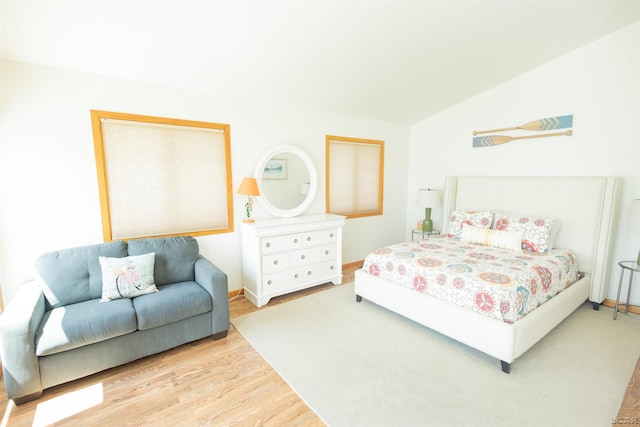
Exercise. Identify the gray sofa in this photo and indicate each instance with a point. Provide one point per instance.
(55, 329)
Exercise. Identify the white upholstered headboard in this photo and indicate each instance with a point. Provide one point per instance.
(585, 207)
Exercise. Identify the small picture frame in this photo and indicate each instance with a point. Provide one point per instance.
(275, 169)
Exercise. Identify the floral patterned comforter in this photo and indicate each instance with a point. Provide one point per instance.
(499, 283)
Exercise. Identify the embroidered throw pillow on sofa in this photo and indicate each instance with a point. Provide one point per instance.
(127, 277)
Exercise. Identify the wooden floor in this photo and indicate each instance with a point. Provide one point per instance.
(204, 383)
(629, 413)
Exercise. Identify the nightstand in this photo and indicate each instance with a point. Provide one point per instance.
(423, 234)
(632, 266)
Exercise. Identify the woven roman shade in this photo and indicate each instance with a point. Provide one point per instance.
(354, 177)
(164, 179)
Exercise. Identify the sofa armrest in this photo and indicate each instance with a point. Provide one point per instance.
(214, 281)
(18, 325)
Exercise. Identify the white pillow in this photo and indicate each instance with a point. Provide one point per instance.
(127, 277)
(552, 235)
(537, 230)
(496, 238)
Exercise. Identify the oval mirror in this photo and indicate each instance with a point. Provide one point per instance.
(287, 181)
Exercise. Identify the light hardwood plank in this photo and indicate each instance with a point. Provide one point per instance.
(629, 413)
(204, 383)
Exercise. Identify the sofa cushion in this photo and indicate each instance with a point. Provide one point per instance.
(73, 275)
(174, 302)
(83, 323)
(127, 277)
(175, 257)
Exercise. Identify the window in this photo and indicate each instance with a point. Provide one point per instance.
(162, 177)
(355, 169)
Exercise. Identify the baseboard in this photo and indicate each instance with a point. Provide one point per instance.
(611, 303)
(236, 293)
(353, 265)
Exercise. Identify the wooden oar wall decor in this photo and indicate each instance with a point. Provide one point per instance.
(551, 123)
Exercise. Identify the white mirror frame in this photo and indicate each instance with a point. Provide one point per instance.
(313, 181)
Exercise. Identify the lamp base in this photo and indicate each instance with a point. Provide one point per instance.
(248, 220)
(427, 224)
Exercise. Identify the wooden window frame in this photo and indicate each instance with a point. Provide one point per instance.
(103, 179)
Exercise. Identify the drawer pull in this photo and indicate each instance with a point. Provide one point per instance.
(331, 235)
(326, 252)
(275, 262)
(302, 257)
(331, 268)
(308, 273)
(296, 276)
(269, 282)
(308, 238)
(268, 245)
(295, 240)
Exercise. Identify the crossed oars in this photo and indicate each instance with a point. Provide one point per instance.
(560, 122)
(487, 141)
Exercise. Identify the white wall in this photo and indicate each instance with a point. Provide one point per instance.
(598, 84)
(48, 186)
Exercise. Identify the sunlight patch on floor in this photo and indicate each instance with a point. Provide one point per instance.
(69, 404)
(7, 413)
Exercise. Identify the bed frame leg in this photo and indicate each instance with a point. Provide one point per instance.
(506, 367)
(358, 298)
(596, 306)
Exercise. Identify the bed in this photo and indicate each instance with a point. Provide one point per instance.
(586, 209)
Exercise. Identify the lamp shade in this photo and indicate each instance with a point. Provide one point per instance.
(249, 186)
(428, 198)
(634, 213)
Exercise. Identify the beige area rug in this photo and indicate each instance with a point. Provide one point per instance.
(357, 364)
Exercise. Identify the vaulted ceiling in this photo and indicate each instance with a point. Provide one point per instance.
(398, 61)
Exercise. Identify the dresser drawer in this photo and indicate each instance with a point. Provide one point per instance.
(276, 262)
(309, 256)
(326, 269)
(284, 279)
(325, 253)
(317, 273)
(303, 257)
(291, 278)
(285, 242)
(319, 237)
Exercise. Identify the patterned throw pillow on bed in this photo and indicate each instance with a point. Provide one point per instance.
(536, 230)
(482, 219)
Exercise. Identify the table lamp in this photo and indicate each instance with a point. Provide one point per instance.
(428, 199)
(634, 218)
(249, 186)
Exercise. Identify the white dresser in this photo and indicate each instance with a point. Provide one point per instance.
(284, 255)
